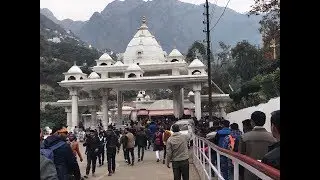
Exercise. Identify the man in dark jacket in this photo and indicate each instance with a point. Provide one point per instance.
(92, 144)
(141, 142)
(64, 159)
(272, 158)
(112, 145)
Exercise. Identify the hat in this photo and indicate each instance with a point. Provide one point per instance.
(63, 130)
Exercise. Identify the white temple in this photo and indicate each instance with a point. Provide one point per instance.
(145, 66)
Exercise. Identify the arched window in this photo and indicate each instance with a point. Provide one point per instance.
(103, 64)
(196, 72)
(174, 60)
(71, 78)
(132, 75)
(81, 78)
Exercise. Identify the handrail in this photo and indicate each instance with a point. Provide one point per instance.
(261, 170)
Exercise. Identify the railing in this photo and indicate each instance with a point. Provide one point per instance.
(207, 170)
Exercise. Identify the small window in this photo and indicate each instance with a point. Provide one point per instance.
(81, 78)
(132, 75)
(71, 78)
(174, 60)
(196, 72)
(103, 64)
(138, 64)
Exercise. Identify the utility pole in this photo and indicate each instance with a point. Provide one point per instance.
(207, 31)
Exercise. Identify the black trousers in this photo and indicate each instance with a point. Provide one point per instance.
(180, 168)
(91, 159)
(130, 151)
(111, 158)
(101, 156)
(164, 152)
(125, 153)
(141, 148)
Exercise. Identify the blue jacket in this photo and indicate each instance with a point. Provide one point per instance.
(221, 134)
(64, 159)
(153, 128)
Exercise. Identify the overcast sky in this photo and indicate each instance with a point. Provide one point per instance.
(83, 9)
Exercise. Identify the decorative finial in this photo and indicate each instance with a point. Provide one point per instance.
(74, 63)
(144, 20)
(175, 43)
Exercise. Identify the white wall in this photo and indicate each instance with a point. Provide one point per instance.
(267, 108)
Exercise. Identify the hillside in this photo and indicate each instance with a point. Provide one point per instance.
(59, 49)
(172, 22)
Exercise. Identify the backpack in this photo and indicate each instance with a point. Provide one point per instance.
(48, 152)
(233, 144)
(158, 138)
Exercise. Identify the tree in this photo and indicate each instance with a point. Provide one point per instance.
(196, 48)
(52, 116)
(248, 59)
(270, 23)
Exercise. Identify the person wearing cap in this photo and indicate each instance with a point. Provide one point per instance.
(64, 159)
(178, 153)
(92, 144)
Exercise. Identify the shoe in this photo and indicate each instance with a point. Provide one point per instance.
(100, 165)
(158, 160)
(139, 160)
(163, 161)
(126, 161)
(132, 164)
(93, 175)
(109, 174)
(86, 176)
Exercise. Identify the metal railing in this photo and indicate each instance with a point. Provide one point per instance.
(207, 170)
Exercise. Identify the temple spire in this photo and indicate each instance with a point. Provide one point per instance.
(144, 23)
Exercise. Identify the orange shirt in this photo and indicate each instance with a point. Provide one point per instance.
(75, 149)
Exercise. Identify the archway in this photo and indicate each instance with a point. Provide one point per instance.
(174, 60)
(196, 72)
(132, 75)
(103, 64)
(71, 78)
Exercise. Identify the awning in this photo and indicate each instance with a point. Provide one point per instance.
(142, 113)
(160, 112)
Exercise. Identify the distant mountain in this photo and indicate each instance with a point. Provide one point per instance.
(49, 14)
(171, 21)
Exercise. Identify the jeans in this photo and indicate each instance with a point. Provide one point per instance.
(91, 159)
(224, 165)
(111, 158)
(142, 153)
(101, 157)
(180, 168)
(131, 151)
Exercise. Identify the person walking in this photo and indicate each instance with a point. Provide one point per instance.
(47, 169)
(141, 142)
(75, 146)
(112, 147)
(101, 152)
(129, 140)
(63, 157)
(92, 144)
(272, 158)
(158, 143)
(123, 141)
(178, 153)
(165, 138)
(255, 143)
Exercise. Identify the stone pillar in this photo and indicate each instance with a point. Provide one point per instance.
(105, 119)
(69, 118)
(119, 105)
(181, 102)
(94, 121)
(175, 92)
(222, 109)
(197, 100)
(74, 111)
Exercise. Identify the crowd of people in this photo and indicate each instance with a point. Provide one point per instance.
(255, 141)
(59, 151)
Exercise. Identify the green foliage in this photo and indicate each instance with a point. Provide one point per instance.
(247, 60)
(196, 47)
(52, 116)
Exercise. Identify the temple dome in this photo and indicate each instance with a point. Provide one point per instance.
(75, 69)
(140, 95)
(94, 75)
(143, 48)
(175, 53)
(105, 56)
(196, 63)
(134, 67)
(118, 63)
(190, 93)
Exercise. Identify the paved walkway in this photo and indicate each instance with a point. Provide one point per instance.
(149, 169)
